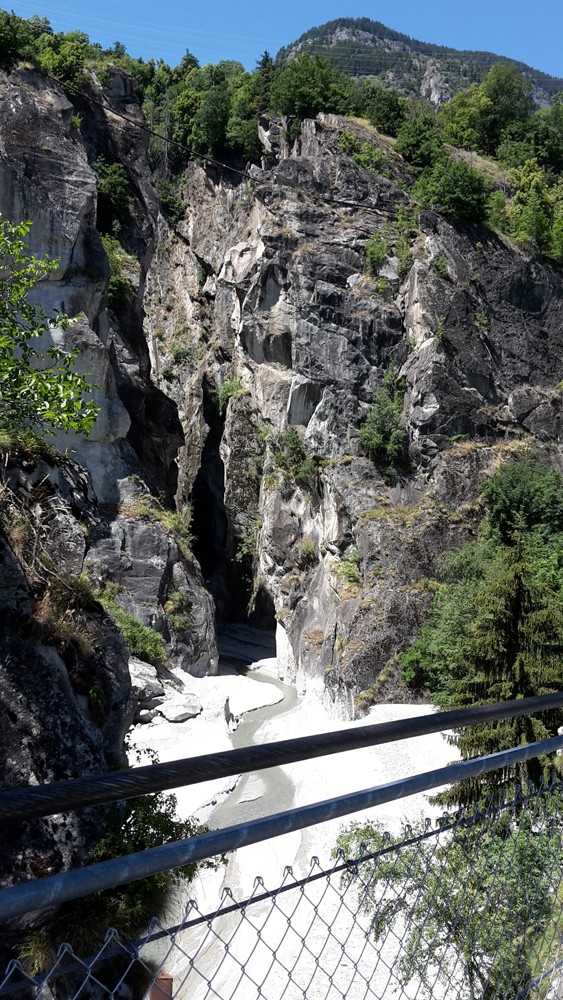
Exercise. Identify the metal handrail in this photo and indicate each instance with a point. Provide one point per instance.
(62, 796)
(56, 889)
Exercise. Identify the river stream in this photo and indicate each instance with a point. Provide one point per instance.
(277, 790)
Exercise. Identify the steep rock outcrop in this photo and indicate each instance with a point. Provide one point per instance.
(266, 280)
(67, 527)
(64, 680)
(137, 433)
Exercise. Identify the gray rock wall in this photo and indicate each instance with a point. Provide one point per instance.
(106, 516)
(253, 316)
(266, 287)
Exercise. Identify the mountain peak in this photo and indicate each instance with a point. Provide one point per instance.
(361, 47)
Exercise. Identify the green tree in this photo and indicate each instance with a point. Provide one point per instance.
(113, 194)
(556, 240)
(478, 117)
(497, 217)
(16, 37)
(386, 109)
(471, 907)
(250, 99)
(307, 85)
(242, 126)
(436, 660)
(496, 624)
(39, 390)
(182, 118)
(64, 56)
(510, 97)
(383, 440)
(419, 141)
(452, 187)
(464, 118)
(515, 146)
(514, 649)
(523, 496)
(530, 211)
(211, 117)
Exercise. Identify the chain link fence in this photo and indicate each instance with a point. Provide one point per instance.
(469, 907)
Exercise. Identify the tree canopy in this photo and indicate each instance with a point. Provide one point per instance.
(495, 630)
(454, 188)
(214, 110)
(475, 905)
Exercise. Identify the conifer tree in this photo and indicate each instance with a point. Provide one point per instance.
(496, 626)
(515, 650)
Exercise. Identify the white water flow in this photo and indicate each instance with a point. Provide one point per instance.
(270, 791)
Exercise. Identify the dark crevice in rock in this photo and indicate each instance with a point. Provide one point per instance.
(263, 614)
(209, 518)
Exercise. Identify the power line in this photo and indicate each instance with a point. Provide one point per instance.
(143, 126)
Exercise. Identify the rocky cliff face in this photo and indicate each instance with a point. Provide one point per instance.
(46, 174)
(252, 317)
(262, 291)
(100, 525)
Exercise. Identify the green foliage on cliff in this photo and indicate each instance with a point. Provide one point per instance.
(142, 823)
(172, 205)
(231, 389)
(120, 289)
(368, 156)
(305, 86)
(377, 251)
(215, 110)
(496, 624)
(419, 140)
(290, 456)
(386, 109)
(383, 440)
(454, 189)
(40, 389)
(143, 641)
(113, 195)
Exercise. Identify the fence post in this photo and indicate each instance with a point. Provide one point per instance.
(161, 989)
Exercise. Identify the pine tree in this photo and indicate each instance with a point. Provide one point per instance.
(514, 650)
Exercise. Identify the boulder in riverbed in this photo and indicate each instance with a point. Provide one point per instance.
(181, 708)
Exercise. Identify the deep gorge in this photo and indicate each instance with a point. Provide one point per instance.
(233, 375)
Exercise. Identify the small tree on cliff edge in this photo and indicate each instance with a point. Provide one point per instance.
(39, 390)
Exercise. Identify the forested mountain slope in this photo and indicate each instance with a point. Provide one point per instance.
(365, 48)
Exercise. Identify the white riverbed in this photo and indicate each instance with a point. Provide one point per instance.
(229, 801)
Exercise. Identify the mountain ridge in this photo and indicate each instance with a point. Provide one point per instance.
(362, 47)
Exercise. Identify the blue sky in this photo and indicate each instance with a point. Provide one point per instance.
(217, 29)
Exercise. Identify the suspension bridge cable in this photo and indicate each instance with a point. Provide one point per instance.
(143, 126)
